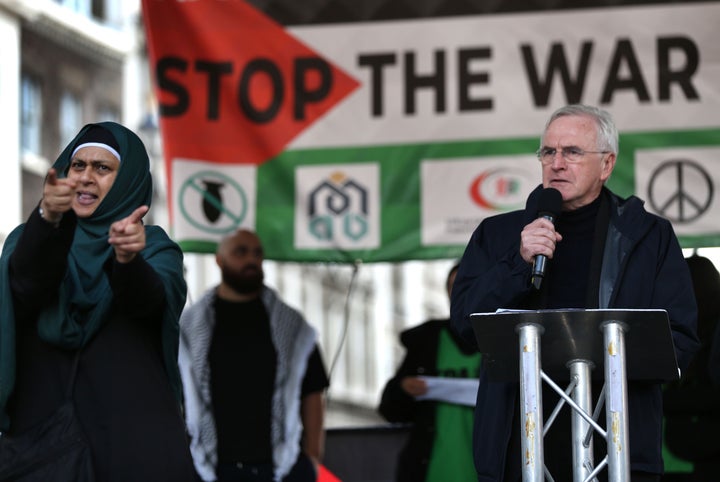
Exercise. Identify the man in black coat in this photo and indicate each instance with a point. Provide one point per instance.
(604, 252)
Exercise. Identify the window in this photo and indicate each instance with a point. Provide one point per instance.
(30, 115)
(107, 113)
(108, 12)
(70, 118)
(79, 6)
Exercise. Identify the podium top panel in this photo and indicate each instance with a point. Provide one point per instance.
(571, 334)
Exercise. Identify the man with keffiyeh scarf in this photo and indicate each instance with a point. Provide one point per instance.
(253, 376)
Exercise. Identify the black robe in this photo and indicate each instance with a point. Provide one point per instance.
(122, 393)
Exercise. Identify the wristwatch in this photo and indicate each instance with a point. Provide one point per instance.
(41, 212)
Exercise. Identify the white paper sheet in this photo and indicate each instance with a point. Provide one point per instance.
(460, 391)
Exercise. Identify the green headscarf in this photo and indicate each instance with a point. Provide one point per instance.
(84, 299)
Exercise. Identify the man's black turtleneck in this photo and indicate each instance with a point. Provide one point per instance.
(572, 256)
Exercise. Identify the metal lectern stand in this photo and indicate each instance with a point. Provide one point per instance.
(547, 345)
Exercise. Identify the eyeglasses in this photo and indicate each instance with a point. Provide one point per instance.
(570, 154)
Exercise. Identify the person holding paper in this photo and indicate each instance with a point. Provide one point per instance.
(602, 251)
(434, 389)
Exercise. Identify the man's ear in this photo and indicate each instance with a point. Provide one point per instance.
(608, 164)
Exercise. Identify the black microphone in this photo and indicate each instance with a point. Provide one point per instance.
(549, 205)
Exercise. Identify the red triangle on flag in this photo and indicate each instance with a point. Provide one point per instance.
(233, 85)
(324, 475)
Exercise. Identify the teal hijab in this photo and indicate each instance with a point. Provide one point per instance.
(84, 298)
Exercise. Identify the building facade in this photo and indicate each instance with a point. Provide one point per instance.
(67, 63)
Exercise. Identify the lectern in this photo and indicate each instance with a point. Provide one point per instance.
(553, 346)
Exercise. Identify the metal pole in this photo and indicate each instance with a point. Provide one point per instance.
(582, 450)
(531, 403)
(616, 403)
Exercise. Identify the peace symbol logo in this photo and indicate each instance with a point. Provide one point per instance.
(691, 193)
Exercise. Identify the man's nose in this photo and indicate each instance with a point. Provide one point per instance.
(558, 159)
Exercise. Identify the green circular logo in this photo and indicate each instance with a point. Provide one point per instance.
(208, 186)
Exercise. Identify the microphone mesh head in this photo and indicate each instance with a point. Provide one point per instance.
(550, 202)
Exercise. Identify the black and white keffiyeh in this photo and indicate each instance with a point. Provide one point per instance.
(294, 340)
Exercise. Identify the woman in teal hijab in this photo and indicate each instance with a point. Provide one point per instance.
(85, 273)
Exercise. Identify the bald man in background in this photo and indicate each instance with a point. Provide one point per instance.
(253, 376)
